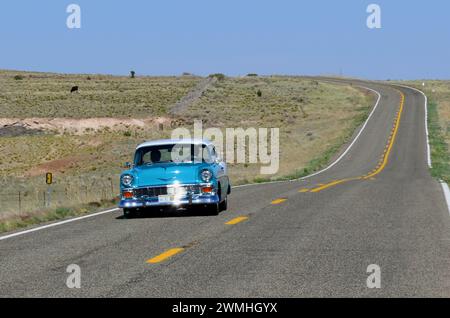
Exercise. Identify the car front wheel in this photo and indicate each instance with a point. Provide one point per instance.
(129, 213)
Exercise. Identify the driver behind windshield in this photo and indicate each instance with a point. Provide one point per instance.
(155, 156)
(167, 153)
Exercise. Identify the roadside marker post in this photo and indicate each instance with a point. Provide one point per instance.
(49, 181)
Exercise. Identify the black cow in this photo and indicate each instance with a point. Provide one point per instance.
(74, 89)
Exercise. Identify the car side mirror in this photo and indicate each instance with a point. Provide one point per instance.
(127, 165)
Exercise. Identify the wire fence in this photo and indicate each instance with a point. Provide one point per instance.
(54, 196)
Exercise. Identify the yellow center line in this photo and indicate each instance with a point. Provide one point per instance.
(165, 255)
(383, 161)
(303, 190)
(278, 201)
(237, 220)
(392, 140)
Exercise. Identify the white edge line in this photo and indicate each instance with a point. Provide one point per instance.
(426, 121)
(56, 224)
(338, 159)
(444, 185)
(239, 186)
(446, 194)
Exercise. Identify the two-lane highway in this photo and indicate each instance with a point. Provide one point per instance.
(314, 237)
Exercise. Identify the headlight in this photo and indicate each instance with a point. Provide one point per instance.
(126, 180)
(206, 175)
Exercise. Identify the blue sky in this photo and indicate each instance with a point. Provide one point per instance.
(234, 37)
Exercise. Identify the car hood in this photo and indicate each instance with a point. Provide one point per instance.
(163, 174)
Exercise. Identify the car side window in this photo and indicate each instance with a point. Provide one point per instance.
(146, 158)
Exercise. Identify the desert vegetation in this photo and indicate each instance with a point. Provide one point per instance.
(48, 95)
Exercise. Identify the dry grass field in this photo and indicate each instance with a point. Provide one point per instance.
(24, 95)
(84, 138)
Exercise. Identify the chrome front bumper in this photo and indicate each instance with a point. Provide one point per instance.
(133, 203)
(178, 200)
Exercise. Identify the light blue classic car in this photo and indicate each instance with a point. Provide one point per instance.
(180, 174)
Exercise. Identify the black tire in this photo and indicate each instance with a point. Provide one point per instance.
(224, 204)
(129, 213)
(213, 209)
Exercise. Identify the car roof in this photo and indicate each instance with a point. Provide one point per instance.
(185, 141)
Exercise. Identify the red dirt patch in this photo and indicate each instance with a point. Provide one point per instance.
(54, 166)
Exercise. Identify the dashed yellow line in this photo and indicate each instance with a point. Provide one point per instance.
(333, 183)
(173, 251)
(278, 201)
(384, 158)
(167, 254)
(237, 220)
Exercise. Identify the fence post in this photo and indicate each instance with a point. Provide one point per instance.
(49, 195)
(112, 188)
(20, 202)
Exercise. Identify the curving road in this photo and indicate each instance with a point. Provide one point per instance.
(306, 238)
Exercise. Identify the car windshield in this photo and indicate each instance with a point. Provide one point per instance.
(176, 153)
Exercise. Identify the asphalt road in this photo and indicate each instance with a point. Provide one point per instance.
(378, 209)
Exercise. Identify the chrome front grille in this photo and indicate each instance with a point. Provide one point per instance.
(150, 192)
(153, 192)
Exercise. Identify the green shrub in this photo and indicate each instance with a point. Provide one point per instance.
(219, 76)
(62, 212)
